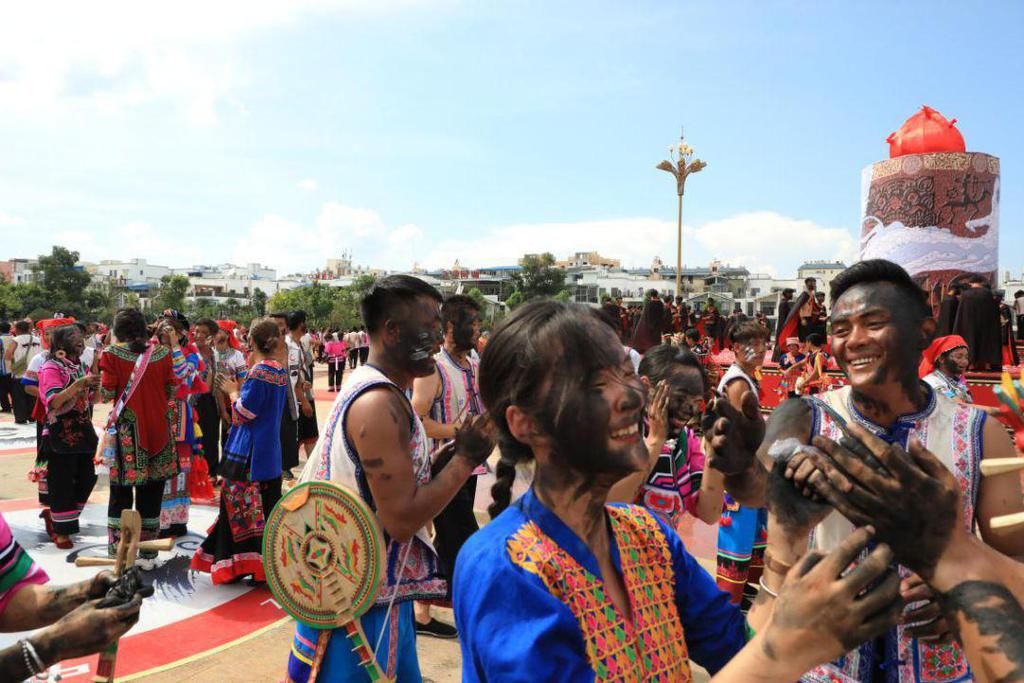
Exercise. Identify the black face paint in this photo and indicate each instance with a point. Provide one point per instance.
(416, 345)
(900, 345)
(949, 367)
(463, 332)
(578, 419)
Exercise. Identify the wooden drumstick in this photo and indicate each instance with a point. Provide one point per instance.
(1006, 522)
(1001, 466)
(95, 562)
(158, 544)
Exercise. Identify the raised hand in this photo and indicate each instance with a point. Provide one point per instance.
(824, 611)
(226, 385)
(910, 498)
(734, 435)
(657, 412)
(475, 439)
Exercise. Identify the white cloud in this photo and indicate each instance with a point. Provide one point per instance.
(764, 241)
(292, 247)
(10, 220)
(116, 55)
(308, 184)
(136, 239)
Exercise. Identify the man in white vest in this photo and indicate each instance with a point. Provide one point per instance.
(443, 400)
(881, 324)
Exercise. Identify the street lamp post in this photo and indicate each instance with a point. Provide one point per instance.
(682, 164)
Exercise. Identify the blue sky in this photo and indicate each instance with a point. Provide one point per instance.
(426, 131)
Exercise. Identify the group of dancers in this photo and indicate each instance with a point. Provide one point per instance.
(846, 548)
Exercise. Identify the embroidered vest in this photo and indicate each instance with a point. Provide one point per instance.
(652, 647)
(334, 458)
(460, 391)
(953, 433)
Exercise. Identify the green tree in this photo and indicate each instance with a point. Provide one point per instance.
(171, 293)
(476, 295)
(259, 302)
(539, 277)
(63, 283)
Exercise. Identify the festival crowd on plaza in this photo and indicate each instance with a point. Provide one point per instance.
(855, 527)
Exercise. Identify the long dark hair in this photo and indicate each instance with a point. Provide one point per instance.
(130, 328)
(543, 359)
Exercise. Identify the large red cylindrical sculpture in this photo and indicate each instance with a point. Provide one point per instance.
(932, 208)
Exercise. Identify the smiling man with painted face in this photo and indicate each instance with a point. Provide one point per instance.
(374, 443)
(881, 325)
(444, 400)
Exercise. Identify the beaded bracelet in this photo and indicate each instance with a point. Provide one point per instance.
(32, 661)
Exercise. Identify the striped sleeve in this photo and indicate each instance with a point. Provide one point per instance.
(251, 398)
(16, 567)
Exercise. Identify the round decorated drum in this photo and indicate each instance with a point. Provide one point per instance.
(323, 554)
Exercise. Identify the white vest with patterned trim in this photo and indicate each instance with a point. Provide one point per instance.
(953, 433)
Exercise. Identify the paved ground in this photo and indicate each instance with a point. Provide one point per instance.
(262, 657)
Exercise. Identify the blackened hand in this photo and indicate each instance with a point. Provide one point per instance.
(911, 499)
(734, 435)
(90, 628)
(824, 610)
(475, 439)
(100, 584)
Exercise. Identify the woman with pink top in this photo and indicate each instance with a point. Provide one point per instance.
(336, 351)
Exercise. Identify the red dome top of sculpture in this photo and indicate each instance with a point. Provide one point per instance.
(924, 132)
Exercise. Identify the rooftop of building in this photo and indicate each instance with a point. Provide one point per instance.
(829, 265)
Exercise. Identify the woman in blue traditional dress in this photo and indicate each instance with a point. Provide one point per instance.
(251, 466)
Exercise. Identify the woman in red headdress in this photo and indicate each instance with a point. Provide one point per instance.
(66, 392)
(943, 365)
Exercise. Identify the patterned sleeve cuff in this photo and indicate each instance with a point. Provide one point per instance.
(240, 414)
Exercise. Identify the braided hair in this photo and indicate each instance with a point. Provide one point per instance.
(543, 359)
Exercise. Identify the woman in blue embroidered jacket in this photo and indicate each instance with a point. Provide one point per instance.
(251, 464)
(561, 586)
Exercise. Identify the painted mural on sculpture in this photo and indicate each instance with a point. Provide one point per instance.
(935, 214)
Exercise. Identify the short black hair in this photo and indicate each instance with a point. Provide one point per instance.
(386, 294)
(280, 315)
(659, 361)
(1019, 292)
(811, 280)
(296, 318)
(815, 339)
(692, 333)
(456, 307)
(749, 331)
(880, 270)
(788, 293)
(209, 323)
(651, 293)
(22, 327)
(5, 327)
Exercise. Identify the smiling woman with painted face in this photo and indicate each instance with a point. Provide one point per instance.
(67, 389)
(677, 478)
